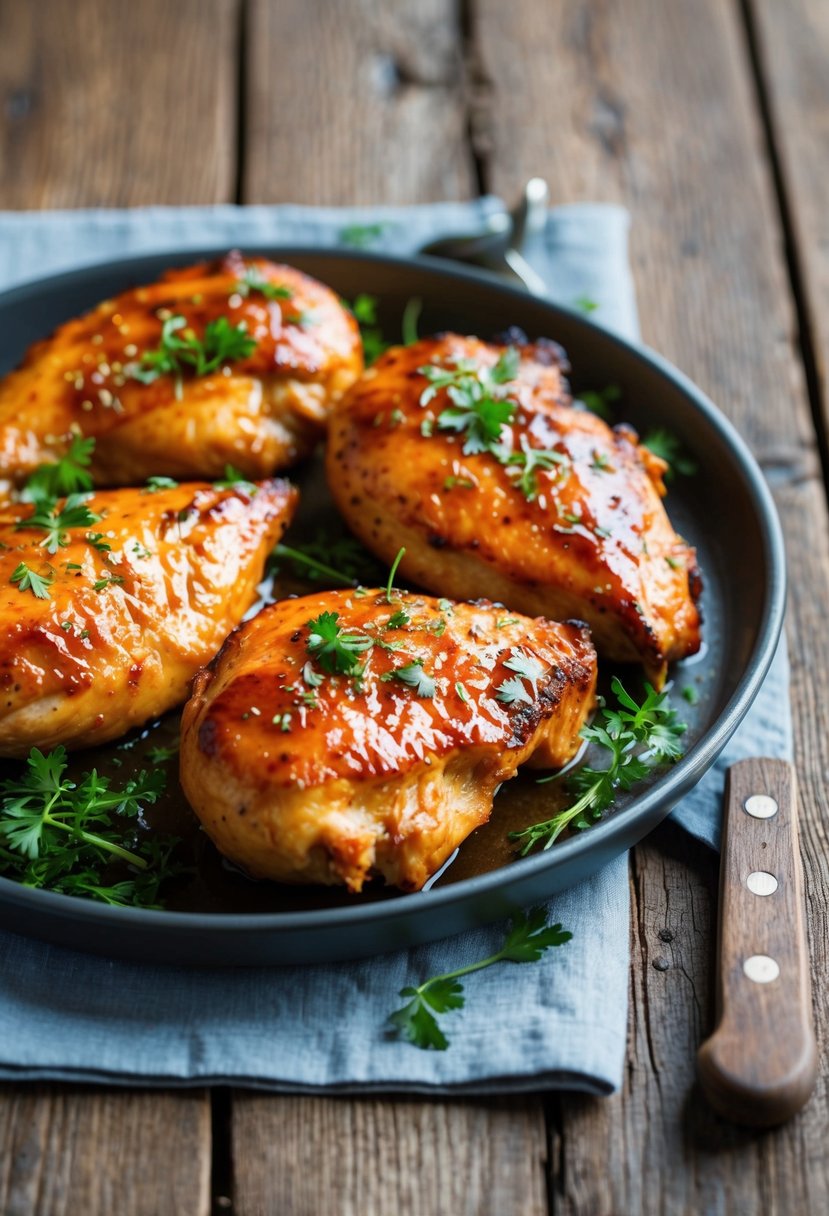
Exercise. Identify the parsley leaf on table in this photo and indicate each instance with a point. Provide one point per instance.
(652, 727)
(528, 939)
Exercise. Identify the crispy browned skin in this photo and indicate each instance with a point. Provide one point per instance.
(84, 666)
(258, 414)
(596, 543)
(372, 778)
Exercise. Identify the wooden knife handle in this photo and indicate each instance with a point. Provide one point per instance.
(760, 1065)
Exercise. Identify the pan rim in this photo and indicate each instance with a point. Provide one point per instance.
(605, 835)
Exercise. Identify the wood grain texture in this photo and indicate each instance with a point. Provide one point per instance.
(373, 1157)
(117, 103)
(360, 101)
(759, 1066)
(65, 1151)
(793, 47)
(653, 105)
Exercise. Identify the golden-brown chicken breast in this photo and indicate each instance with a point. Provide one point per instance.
(110, 605)
(497, 486)
(233, 363)
(340, 736)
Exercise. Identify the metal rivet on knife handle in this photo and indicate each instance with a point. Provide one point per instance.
(760, 1064)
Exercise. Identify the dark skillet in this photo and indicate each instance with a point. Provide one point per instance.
(725, 510)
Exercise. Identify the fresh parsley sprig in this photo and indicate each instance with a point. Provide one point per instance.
(666, 445)
(339, 560)
(481, 407)
(180, 350)
(638, 739)
(254, 282)
(56, 523)
(28, 579)
(59, 833)
(528, 939)
(337, 652)
(67, 475)
(515, 689)
(524, 467)
(413, 675)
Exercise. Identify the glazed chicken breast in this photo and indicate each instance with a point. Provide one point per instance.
(498, 486)
(342, 736)
(232, 363)
(104, 624)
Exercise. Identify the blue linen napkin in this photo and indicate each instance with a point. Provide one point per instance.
(557, 1023)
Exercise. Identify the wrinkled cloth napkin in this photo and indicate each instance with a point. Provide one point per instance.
(558, 1023)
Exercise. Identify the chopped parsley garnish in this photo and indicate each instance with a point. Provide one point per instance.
(65, 476)
(398, 620)
(28, 579)
(179, 349)
(638, 738)
(335, 651)
(525, 465)
(414, 676)
(234, 480)
(585, 304)
(98, 541)
(60, 833)
(253, 281)
(480, 407)
(56, 523)
(160, 755)
(111, 580)
(599, 401)
(364, 309)
(690, 694)
(662, 443)
(528, 939)
(159, 483)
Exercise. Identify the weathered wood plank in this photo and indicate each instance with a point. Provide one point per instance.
(652, 104)
(355, 102)
(67, 1150)
(117, 103)
(372, 1157)
(793, 48)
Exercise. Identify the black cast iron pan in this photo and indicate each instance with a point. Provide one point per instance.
(725, 510)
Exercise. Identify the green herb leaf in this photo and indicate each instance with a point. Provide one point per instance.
(414, 676)
(28, 579)
(527, 941)
(234, 480)
(599, 401)
(179, 350)
(638, 739)
(360, 236)
(159, 483)
(67, 475)
(663, 443)
(335, 651)
(254, 282)
(46, 517)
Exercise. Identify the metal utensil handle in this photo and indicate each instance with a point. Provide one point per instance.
(760, 1065)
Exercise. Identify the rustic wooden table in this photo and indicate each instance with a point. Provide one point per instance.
(708, 118)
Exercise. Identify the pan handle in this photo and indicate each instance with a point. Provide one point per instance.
(760, 1065)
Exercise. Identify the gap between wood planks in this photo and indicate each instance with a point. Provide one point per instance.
(794, 267)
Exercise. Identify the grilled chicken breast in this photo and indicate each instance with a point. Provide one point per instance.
(498, 486)
(302, 772)
(260, 402)
(108, 631)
